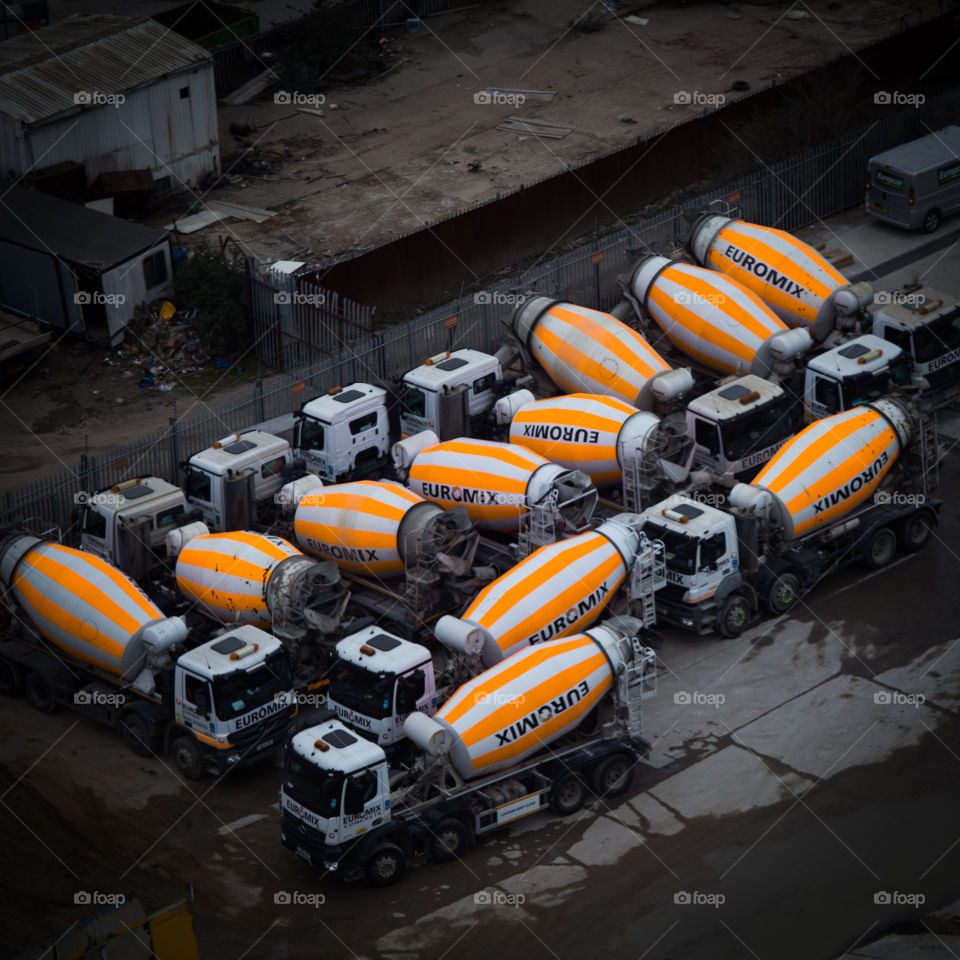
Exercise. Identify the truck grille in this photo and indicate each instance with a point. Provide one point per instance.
(943, 377)
(297, 834)
(274, 732)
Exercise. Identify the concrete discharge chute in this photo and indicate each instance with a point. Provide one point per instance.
(801, 287)
(713, 319)
(559, 589)
(588, 351)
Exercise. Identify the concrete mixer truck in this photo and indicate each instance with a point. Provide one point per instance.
(483, 758)
(560, 589)
(828, 498)
(79, 632)
(808, 292)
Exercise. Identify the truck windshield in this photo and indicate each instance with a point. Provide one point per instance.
(367, 693)
(242, 691)
(312, 434)
(680, 551)
(758, 428)
(318, 790)
(413, 401)
(940, 336)
(866, 387)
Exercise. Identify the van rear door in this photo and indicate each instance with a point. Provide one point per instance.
(888, 196)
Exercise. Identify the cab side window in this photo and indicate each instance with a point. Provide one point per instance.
(484, 383)
(195, 692)
(827, 394)
(198, 484)
(366, 422)
(711, 550)
(94, 523)
(707, 436)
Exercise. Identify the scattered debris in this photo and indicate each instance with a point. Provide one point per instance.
(626, 118)
(798, 15)
(546, 95)
(248, 821)
(538, 128)
(636, 21)
(251, 88)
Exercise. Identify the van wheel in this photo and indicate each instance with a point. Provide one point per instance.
(40, 693)
(568, 794)
(136, 734)
(915, 532)
(734, 616)
(187, 756)
(386, 865)
(881, 548)
(784, 593)
(931, 220)
(613, 775)
(450, 840)
(11, 679)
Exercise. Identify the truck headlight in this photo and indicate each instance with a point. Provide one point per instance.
(686, 622)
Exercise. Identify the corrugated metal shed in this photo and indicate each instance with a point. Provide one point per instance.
(42, 71)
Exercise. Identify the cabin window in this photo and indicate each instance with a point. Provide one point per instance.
(706, 435)
(198, 485)
(367, 422)
(484, 383)
(154, 269)
(272, 467)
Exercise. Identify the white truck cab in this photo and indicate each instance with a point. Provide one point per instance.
(229, 689)
(432, 394)
(337, 434)
(126, 524)
(228, 480)
(859, 371)
(378, 681)
(926, 325)
(738, 427)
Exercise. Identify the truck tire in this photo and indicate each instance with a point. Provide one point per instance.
(931, 220)
(136, 734)
(187, 756)
(11, 679)
(613, 775)
(915, 532)
(881, 548)
(568, 794)
(784, 593)
(449, 840)
(734, 616)
(39, 692)
(386, 865)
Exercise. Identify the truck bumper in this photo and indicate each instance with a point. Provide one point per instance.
(308, 844)
(697, 617)
(270, 741)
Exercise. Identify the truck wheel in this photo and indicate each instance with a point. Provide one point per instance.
(784, 593)
(931, 220)
(11, 679)
(568, 794)
(40, 693)
(187, 756)
(449, 841)
(136, 734)
(734, 616)
(881, 548)
(386, 865)
(613, 775)
(915, 532)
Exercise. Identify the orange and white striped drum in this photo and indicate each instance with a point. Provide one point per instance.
(84, 606)
(708, 316)
(578, 431)
(529, 700)
(584, 350)
(832, 466)
(356, 524)
(787, 274)
(489, 478)
(559, 589)
(227, 574)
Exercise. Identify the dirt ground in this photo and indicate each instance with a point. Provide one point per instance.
(414, 147)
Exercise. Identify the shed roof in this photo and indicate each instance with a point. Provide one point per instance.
(42, 71)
